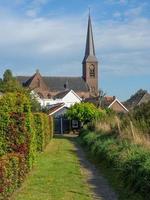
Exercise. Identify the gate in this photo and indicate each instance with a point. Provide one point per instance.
(61, 125)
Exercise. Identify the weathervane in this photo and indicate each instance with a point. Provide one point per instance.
(89, 10)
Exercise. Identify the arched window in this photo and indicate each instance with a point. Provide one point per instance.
(92, 71)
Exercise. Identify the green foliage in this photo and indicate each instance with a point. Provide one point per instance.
(9, 83)
(141, 116)
(43, 130)
(13, 169)
(130, 161)
(35, 105)
(20, 138)
(10, 104)
(84, 112)
(7, 76)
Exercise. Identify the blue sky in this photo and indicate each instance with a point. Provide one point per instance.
(50, 35)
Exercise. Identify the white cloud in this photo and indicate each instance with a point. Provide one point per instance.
(56, 46)
(134, 12)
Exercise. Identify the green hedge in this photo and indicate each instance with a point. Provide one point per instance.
(11, 103)
(130, 161)
(13, 169)
(22, 135)
(43, 130)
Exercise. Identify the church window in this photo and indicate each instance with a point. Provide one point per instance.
(38, 82)
(92, 71)
(49, 96)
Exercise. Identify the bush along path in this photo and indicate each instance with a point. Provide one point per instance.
(23, 135)
(61, 174)
(127, 163)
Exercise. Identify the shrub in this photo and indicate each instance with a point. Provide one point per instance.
(43, 130)
(22, 134)
(10, 103)
(13, 169)
(131, 161)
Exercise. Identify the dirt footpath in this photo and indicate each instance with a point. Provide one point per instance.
(98, 184)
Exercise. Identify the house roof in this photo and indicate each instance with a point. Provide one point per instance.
(55, 108)
(61, 95)
(141, 96)
(107, 100)
(116, 100)
(58, 83)
(145, 98)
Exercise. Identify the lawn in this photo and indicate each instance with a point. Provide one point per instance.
(56, 175)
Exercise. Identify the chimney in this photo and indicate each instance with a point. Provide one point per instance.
(114, 97)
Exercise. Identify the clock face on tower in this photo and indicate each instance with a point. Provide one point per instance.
(92, 71)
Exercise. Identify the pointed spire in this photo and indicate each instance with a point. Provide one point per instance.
(90, 49)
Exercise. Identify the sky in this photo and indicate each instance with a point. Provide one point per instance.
(50, 35)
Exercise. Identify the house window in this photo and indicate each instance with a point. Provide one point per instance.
(92, 71)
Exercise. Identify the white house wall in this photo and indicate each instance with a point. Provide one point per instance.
(70, 99)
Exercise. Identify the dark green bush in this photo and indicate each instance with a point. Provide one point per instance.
(130, 161)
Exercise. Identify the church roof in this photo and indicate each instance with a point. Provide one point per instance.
(58, 83)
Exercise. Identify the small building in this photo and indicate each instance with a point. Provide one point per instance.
(68, 97)
(61, 103)
(113, 103)
(108, 102)
(140, 97)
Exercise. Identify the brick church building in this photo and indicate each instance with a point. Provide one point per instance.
(85, 86)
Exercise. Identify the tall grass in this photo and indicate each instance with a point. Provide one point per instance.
(130, 161)
(122, 145)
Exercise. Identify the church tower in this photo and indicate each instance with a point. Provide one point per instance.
(90, 63)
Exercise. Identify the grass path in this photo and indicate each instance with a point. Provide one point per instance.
(56, 176)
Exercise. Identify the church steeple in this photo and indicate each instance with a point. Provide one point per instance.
(90, 63)
(90, 49)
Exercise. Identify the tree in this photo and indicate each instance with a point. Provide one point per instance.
(101, 95)
(9, 83)
(84, 112)
(7, 76)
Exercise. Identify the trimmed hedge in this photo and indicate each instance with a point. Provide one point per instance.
(9, 104)
(43, 130)
(22, 135)
(130, 161)
(13, 169)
